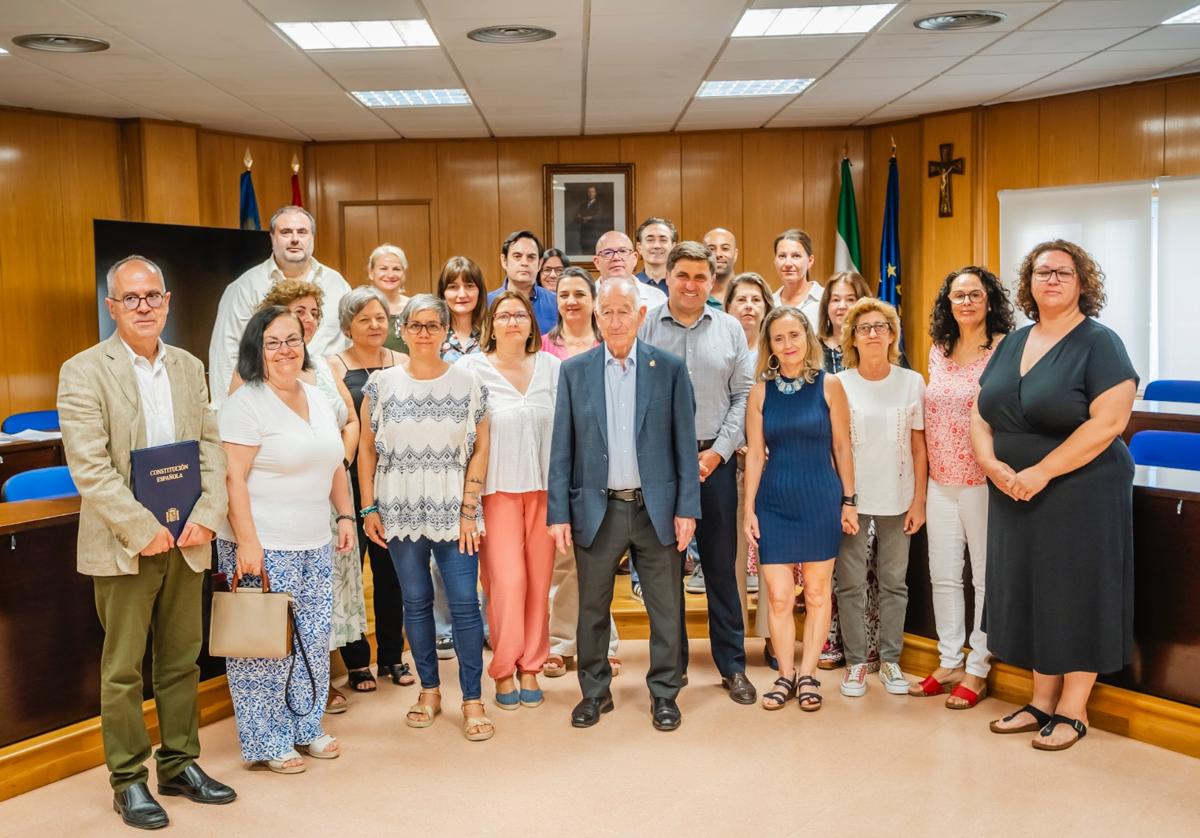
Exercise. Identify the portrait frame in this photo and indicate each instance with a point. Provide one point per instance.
(574, 220)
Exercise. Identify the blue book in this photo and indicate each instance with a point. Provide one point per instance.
(166, 480)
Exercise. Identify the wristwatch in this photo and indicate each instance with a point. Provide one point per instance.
(850, 500)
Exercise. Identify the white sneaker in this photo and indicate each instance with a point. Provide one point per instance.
(854, 683)
(752, 583)
(695, 582)
(893, 679)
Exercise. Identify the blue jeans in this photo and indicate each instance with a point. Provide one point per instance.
(441, 609)
(460, 573)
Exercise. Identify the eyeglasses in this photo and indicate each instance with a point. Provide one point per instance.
(1063, 274)
(864, 329)
(614, 252)
(518, 317)
(133, 302)
(272, 345)
(423, 328)
(553, 271)
(968, 297)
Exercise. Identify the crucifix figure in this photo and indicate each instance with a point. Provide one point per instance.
(945, 166)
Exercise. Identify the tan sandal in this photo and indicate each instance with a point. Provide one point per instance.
(615, 663)
(477, 722)
(323, 747)
(555, 667)
(426, 711)
(280, 764)
(336, 703)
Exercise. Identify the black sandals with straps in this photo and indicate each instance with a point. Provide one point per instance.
(775, 699)
(1079, 727)
(809, 700)
(1041, 719)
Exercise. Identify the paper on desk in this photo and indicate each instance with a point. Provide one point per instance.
(30, 435)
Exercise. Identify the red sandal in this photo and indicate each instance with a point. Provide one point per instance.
(968, 695)
(931, 686)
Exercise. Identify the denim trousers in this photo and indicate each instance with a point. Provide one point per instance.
(460, 573)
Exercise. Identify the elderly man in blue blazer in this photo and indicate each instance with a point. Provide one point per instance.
(623, 472)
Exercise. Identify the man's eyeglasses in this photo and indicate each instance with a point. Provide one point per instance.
(614, 252)
(968, 297)
(272, 345)
(133, 302)
(864, 329)
(1063, 274)
(518, 317)
(415, 329)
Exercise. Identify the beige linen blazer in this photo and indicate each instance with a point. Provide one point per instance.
(100, 413)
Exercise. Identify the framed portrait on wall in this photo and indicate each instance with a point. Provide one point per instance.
(583, 202)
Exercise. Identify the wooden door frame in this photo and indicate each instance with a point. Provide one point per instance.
(407, 202)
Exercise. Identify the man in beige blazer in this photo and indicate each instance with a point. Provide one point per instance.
(132, 391)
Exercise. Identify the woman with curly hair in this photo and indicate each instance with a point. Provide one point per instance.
(1046, 430)
(971, 315)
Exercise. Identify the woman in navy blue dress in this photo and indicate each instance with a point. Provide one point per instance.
(798, 504)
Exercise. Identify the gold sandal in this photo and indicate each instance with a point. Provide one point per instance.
(477, 722)
(428, 711)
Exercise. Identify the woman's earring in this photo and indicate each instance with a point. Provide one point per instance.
(773, 363)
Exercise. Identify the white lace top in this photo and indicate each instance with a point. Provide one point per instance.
(424, 436)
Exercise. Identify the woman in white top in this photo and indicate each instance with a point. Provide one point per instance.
(887, 424)
(517, 557)
(422, 458)
(284, 453)
(794, 259)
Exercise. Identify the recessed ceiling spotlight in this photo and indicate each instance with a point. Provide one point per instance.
(752, 87)
(61, 43)
(955, 21)
(412, 98)
(511, 34)
(1191, 15)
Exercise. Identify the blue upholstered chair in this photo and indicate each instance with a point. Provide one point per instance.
(35, 420)
(39, 484)
(1173, 390)
(1166, 449)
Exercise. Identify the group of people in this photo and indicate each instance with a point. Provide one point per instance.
(525, 441)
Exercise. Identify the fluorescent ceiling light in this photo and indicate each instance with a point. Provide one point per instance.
(359, 34)
(1191, 15)
(811, 20)
(753, 87)
(412, 98)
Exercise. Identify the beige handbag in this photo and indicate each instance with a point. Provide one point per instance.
(250, 622)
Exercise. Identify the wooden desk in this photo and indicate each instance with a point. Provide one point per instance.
(16, 457)
(50, 637)
(1162, 416)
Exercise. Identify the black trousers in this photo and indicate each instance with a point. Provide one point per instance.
(716, 538)
(387, 598)
(626, 524)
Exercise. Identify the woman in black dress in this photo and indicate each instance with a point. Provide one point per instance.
(1053, 402)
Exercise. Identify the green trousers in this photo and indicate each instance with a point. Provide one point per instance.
(162, 600)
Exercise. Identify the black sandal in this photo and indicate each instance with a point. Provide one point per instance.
(359, 677)
(778, 698)
(809, 701)
(1079, 727)
(1041, 719)
(398, 672)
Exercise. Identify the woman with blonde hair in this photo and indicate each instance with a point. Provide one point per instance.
(801, 501)
(387, 270)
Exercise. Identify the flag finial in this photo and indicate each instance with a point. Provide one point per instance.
(892, 137)
(295, 164)
(845, 149)
(248, 159)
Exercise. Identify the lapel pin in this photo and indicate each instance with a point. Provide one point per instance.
(651, 362)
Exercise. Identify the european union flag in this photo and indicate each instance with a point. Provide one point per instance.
(248, 205)
(889, 247)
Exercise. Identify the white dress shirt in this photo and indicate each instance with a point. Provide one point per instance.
(244, 295)
(154, 393)
(810, 306)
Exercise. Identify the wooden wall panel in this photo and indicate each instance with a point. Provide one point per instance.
(220, 172)
(656, 176)
(521, 183)
(406, 171)
(170, 173)
(773, 190)
(589, 150)
(1009, 161)
(410, 224)
(823, 150)
(469, 204)
(360, 235)
(1069, 128)
(1131, 123)
(1182, 125)
(340, 172)
(711, 184)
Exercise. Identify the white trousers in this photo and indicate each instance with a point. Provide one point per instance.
(956, 516)
(564, 608)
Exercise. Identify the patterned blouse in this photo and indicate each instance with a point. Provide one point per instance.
(948, 401)
(453, 348)
(424, 437)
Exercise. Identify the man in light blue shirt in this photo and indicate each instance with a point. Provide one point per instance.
(519, 258)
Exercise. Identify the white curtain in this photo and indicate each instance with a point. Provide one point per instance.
(1112, 222)
(1178, 276)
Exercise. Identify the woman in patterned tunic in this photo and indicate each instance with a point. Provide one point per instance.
(422, 461)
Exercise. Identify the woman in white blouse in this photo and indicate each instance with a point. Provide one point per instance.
(284, 453)
(887, 424)
(422, 458)
(517, 558)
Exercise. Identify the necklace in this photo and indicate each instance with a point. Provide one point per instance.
(786, 385)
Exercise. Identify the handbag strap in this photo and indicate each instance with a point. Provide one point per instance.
(237, 576)
(312, 681)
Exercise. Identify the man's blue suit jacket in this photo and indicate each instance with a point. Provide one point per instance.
(665, 424)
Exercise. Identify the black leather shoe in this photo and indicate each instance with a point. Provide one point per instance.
(588, 711)
(139, 809)
(194, 784)
(740, 688)
(665, 714)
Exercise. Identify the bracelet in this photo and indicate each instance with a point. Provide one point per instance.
(470, 518)
(364, 512)
(349, 518)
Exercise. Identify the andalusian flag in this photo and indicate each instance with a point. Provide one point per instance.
(848, 256)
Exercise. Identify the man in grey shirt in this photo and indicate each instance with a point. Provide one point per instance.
(713, 346)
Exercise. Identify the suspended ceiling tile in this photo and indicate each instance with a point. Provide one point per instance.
(999, 65)
(1027, 43)
(1098, 14)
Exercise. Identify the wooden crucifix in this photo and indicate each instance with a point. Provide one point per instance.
(945, 166)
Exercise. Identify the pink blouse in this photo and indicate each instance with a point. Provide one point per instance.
(948, 401)
(559, 350)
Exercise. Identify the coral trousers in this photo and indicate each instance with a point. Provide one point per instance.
(516, 563)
